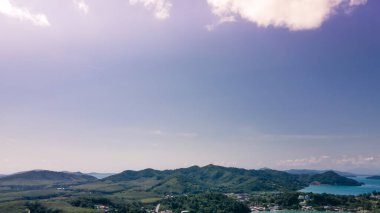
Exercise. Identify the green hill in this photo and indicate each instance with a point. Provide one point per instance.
(43, 179)
(313, 172)
(332, 178)
(376, 177)
(208, 202)
(190, 180)
(219, 179)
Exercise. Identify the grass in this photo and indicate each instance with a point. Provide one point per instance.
(150, 200)
(31, 194)
(136, 196)
(66, 207)
(12, 207)
(100, 187)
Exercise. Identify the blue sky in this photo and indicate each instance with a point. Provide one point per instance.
(108, 86)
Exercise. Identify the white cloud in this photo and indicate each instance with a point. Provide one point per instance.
(8, 9)
(222, 20)
(334, 162)
(304, 162)
(291, 14)
(357, 2)
(161, 8)
(358, 161)
(82, 6)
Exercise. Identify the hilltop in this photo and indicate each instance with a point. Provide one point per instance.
(220, 179)
(332, 178)
(43, 178)
(314, 172)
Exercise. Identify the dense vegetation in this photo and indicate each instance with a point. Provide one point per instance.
(90, 202)
(313, 172)
(205, 203)
(180, 181)
(48, 175)
(112, 205)
(36, 207)
(290, 200)
(39, 179)
(221, 179)
(332, 178)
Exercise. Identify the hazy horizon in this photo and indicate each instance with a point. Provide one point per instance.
(108, 86)
(355, 172)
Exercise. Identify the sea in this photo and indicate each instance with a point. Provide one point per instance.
(303, 212)
(368, 187)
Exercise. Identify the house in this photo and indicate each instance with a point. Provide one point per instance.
(258, 208)
(102, 208)
(307, 208)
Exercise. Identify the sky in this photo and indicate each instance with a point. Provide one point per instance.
(106, 86)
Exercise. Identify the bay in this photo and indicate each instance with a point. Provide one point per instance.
(301, 211)
(368, 187)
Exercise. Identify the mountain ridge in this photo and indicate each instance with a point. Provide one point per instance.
(221, 179)
(193, 179)
(312, 171)
(43, 179)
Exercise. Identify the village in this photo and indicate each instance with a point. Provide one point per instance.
(259, 203)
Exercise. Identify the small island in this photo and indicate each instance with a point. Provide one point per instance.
(376, 177)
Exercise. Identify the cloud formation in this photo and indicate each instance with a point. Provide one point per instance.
(82, 6)
(357, 2)
(8, 9)
(305, 162)
(326, 161)
(161, 8)
(291, 14)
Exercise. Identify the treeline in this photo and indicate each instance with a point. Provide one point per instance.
(112, 206)
(36, 207)
(204, 203)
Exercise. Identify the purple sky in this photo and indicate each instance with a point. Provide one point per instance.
(113, 85)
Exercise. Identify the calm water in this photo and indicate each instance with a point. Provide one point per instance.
(300, 212)
(369, 186)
